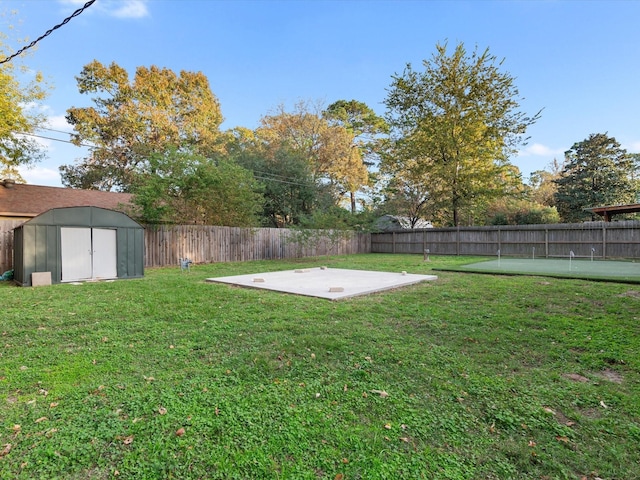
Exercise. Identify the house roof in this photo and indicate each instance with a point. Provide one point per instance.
(22, 200)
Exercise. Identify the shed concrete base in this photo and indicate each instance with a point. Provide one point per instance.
(322, 282)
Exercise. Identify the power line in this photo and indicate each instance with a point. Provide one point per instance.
(48, 32)
(55, 139)
(54, 130)
(266, 176)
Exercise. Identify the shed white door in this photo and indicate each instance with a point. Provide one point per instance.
(75, 246)
(88, 253)
(104, 253)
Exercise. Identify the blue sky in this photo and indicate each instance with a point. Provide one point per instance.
(577, 60)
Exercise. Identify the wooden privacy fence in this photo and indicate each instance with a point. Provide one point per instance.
(164, 245)
(6, 243)
(600, 239)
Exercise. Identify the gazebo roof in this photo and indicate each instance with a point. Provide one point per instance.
(608, 211)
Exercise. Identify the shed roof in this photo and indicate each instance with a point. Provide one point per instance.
(27, 201)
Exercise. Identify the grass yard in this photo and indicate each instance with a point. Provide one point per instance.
(472, 376)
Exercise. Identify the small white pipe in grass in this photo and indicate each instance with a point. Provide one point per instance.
(533, 254)
(593, 250)
(498, 258)
(571, 255)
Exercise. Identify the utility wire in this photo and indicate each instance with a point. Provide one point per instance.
(55, 139)
(48, 32)
(265, 176)
(54, 130)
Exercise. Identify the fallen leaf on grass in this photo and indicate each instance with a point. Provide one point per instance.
(16, 428)
(162, 411)
(387, 426)
(180, 432)
(382, 393)
(562, 438)
(128, 440)
(603, 405)
(339, 476)
(5, 450)
(532, 443)
(41, 419)
(53, 404)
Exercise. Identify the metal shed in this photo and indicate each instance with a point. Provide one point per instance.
(77, 244)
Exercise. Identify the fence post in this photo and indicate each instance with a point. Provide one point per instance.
(604, 240)
(546, 243)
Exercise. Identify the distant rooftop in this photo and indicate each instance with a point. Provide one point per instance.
(18, 200)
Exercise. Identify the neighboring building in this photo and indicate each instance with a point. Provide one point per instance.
(22, 202)
(390, 223)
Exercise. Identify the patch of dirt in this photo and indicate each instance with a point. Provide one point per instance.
(630, 293)
(575, 377)
(590, 412)
(610, 375)
(563, 419)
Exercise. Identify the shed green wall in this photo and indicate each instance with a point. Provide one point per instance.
(37, 245)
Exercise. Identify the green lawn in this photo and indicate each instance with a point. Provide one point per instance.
(472, 376)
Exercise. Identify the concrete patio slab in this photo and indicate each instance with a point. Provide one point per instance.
(322, 282)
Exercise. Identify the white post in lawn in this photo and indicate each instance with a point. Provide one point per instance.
(571, 255)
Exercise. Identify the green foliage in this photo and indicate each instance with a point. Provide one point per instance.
(97, 380)
(132, 120)
(17, 115)
(520, 212)
(289, 189)
(330, 227)
(597, 172)
(185, 188)
(455, 124)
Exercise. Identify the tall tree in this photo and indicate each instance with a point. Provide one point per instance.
(18, 120)
(133, 120)
(460, 120)
(597, 172)
(327, 148)
(366, 129)
(542, 186)
(289, 190)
